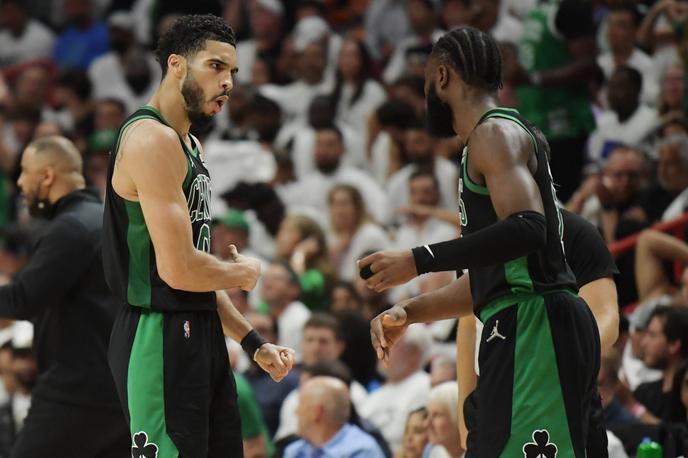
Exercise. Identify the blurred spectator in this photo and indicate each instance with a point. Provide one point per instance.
(409, 89)
(672, 179)
(313, 190)
(280, 290)
(608, 384)
(352, 233)
(230, 229)
(654, 250)
(269, 393)
(490, 16)
(84, 39)
(356, 93)
(267, 20)
(422, 17)
(555, 67)
(443, 423)
(128, 72)
(31, 88)
(22, 38)
(391, 119)
(323, 423)
(302, 137)
(346, 298)
(406, 387)
(420, 226)
(679, 394)
(358, 354)
(386, 24)
(301, 242)
(419, 149)
(257, 443)
(665, 345)
(673, 89)
(628, 122)
(622, 28)
(21, 367)
(73, 92)
(603, 197)
(322, 343)
(415, 434)
(295, 98)
(442, 369)
(633, 370)
(234, 124)
(109, 114)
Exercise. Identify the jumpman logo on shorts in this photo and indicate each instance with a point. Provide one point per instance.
(495, 333)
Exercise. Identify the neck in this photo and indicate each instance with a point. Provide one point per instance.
(625, 115)
(323, 434)
(668, 380)
(418, 220)
(467, 114)
(68, 186)
(168, 100)
(453, 446)
(622, 55)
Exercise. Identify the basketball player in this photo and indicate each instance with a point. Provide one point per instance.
(538, 381)
(167, 350)
(593, 267)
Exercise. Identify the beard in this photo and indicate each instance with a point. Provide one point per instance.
(194, 100)
(439, 116)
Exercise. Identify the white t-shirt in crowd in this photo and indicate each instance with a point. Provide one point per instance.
(447, 175)
(389, 406)
(36, 42)
(295, 98)
(290, 327)
(396, 67)
(641, 62)
(368, 237)
(356, 115)
(610, 131)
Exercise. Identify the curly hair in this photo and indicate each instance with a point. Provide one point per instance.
(188, 35)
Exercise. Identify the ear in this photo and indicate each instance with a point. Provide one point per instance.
(443, 76)
(50, 174)
(675, 348)
(176, 64)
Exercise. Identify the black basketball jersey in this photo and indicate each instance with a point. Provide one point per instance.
(540, 271)
(128, 254)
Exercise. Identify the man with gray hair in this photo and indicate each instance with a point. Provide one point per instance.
(323, 414)
(406, 386)
(62, 290)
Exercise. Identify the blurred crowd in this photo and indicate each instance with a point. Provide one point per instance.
(323, 157)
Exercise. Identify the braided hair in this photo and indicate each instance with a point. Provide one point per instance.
(474, 55)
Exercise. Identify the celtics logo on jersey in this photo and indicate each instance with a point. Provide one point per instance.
(199, 210)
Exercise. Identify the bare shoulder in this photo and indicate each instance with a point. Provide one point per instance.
(500, 142)
(149, 152)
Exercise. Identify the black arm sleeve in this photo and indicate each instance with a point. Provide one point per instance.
(516, 236)
(59, 260)
(586, 252)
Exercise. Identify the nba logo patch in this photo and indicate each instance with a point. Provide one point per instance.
(187, 329)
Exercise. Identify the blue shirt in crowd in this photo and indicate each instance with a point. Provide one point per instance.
(349, 442)
(77, 48)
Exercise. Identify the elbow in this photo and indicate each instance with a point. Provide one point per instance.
(174, 277)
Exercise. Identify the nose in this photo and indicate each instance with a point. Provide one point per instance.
(228, 83)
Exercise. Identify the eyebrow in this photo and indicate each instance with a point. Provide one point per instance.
(217, 60)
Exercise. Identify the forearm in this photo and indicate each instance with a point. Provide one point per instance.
(570, 75)
(14, 303)
(234, 325)
(465, 368)
(518, 235)
(450, 301)
(646, 30)
(204, 273)
(601, 297)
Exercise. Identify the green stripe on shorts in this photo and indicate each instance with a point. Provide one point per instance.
(146, 388)
(538, 413)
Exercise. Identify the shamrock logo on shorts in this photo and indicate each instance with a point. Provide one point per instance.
(141, 447)
(541, 447)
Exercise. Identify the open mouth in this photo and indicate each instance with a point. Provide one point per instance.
(219, 103)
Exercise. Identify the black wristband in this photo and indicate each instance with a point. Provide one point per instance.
(423, 259)
(252, 342)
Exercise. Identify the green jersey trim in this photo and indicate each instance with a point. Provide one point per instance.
(474, 187)
(139, 244)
